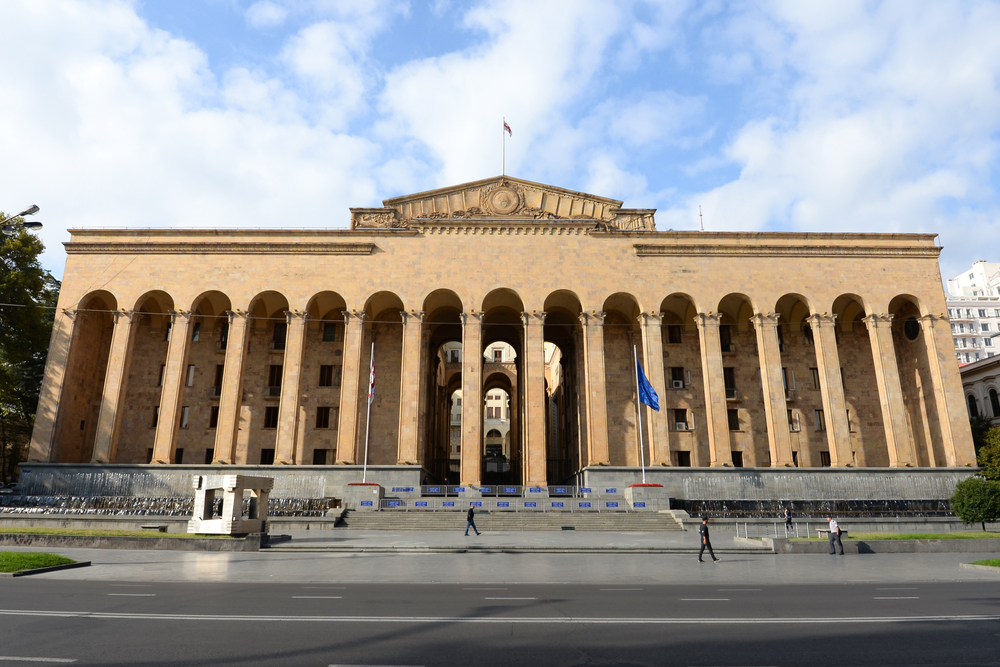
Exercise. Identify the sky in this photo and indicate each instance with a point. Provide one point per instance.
(773, 116)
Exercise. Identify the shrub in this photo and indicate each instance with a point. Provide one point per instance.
(988, 456)
(977, 500)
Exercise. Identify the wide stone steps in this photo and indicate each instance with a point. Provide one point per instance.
(508, 521)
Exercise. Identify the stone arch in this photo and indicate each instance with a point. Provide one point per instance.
(743, 389)
(621, 332)
(503, 297)
(684, 387)
(211, 310)
(793, 309)
(321, 378)
(504, 469)
(86, 369)
(916, 380)
(737, 309)
(565, 393)
(441, 378)
(899, 302)
(384, 327)
(850, 311)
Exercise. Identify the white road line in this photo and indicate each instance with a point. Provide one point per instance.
(742, 590)
(10, 658)
(134, 595)
(131, 585)
(317, 597)
(510, 598)
(376, 665)
(496, 620)
(484, 589)
(899, 598)
(704, 599)
(896, 589)
(620, 589)
(323, 588)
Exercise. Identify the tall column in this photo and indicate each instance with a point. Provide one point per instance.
(775, 407)
(831, 385)
(580, 393)
(232, 387)
(652, 353)
(347, 431)
(109, 420)
(716, 419)
(409, 407)
(472, 398)
(291, 388)
(948, 394)
(897, 432)
(535, 458)
(168, 421)
(597, 398)
(43, 435)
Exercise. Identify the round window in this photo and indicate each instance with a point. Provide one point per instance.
(911, 328)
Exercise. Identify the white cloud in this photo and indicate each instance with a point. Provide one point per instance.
(265, 14)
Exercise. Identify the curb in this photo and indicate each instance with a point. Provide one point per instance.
(512, 550)
(984, 568)
(245, 544)
(43, 570)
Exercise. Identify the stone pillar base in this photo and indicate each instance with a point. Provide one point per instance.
(647, 498)
(363, 497)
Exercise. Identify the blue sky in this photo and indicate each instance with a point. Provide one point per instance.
(839, 116)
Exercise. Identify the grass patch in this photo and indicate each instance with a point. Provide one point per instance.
(962, 535)
(88, 532)
(992, 562)
(11, 561)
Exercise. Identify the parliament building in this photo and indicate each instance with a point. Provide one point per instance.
(253, 347)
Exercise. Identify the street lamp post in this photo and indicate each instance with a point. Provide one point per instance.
(26, 224)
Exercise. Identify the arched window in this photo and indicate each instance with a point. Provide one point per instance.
(973, 410)
(995, 403)
(493, 433)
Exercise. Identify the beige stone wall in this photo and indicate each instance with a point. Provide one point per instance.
(142, 389)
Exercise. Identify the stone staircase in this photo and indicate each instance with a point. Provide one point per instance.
(508, 521)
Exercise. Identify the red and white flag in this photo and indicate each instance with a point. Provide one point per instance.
(506, 128)
(371, 383)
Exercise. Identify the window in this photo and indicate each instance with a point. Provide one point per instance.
(995, 402)
(170, 326)
(850, 424)
(911, 328)
(219, 370)
(988, 342)
(982, 312)
(734, 419)
(271, 417)
(737, 459)
(280, 329)
(497, 356)
(824, 459)
(185, 415)
(458, 401)
(676, 377)
(680, 419)
(793, 422)
(329, 336)
(973, 409)
(189, 379)
(179, 455)
(163, 374)
(726, 338)
(267, 456)
(807, 331)
(820, 420)
(323, 417)
(454, 358)
(961, 328)
(326, 376)
(729, 379)
(196, 332)
(795, 459)
(213, 417)
(683, 459)
(209, 455)
(274, 375)
(814, 378)
(156, 417)
(985, 326)
(972, 276)
(224, 337)
(781, 338)
(674, 334)
(319, 457)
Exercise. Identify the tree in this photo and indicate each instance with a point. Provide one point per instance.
(28, 295)
(977, 500)
(980, 427)
(988, 456)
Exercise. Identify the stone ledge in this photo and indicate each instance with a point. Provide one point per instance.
(43, 570)
(784, 546)
(984, 568)
(249, 543)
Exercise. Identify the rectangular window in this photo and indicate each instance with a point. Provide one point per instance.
(986, 326)
(454, 356)
(726, 338)
(189, 379)
(674, 334)
(814, 377)
(219, 370)
(319, 457)
(271, 417)
(734, 419)
(329, 332)
(179, 455)
(824, 459)
(213, 417)
(185, 415)
(737, 459)
(267, 456)
(676, 377)
(961, 328)
(170, 327)
(163, 375)
(458, 401)
(982, 312)
(209, 455)
(729, 379)
(224, 337)
(274, 375)
(683, 459)
(323, 417)
(820, 420)
(326, 376)
(680, 419)
(497, 356)
(988, 342)
(156, 416)
(280, 329)
(781, 338)
(196, 332)
(793, 421)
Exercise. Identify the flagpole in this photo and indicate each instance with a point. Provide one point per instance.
(368, 419)
(638, 409)
(503, 147)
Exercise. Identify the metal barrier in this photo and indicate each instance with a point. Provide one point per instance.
(512, 491)
(774, 529)
(502, 504)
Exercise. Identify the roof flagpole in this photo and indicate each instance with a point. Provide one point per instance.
(503, 147)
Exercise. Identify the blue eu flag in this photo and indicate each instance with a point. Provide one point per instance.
(646, 392)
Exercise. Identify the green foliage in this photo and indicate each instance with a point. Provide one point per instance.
(12, 561)
(988, 456)
(28, 295)
(992, 562)
(980, 427)
(977, 500)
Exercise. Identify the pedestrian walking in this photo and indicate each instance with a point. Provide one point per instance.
(471, 518)
(706, 542)
(835, 536)
(788, 518)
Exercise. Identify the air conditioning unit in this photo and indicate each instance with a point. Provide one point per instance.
(680, 426)
(678, 384)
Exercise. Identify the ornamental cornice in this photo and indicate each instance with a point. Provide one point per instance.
(221, 248)
(658, 250)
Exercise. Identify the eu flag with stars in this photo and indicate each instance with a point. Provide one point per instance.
(646, 392)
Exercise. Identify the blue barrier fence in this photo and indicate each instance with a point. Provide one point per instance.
(502, 504)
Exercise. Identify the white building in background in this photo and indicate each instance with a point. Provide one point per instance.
(974, 310)
(981, 381)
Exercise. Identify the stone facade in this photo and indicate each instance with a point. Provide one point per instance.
(251, 347)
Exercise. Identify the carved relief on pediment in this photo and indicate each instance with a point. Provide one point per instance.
(376, 218)
(502, 198)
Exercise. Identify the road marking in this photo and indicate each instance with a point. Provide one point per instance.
(484, 589)
(376, 665)
(497, 620)
(899, 598)
(14, 659)
(896, 589)
(324, 588)
(704, 599)
(621, 589)
(134, 595)
(131, 585)
(317, 597)
(510, 598)
(726, 590)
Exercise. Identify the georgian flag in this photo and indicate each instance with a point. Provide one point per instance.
(371, 383)
(506, 127)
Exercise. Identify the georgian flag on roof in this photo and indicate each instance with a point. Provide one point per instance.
(371, 383)
(506, 127)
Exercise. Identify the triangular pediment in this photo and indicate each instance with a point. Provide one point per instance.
(502, 198)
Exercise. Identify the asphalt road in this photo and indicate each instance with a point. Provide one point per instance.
(170, 623)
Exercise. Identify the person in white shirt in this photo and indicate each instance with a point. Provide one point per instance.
(835, 536)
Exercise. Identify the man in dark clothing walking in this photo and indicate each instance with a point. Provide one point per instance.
(471, 518)
(706, 543)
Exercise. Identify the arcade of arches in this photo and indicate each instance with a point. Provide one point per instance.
(756, 361)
